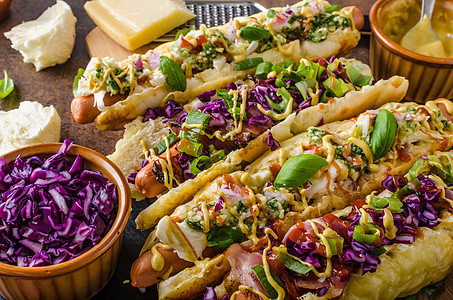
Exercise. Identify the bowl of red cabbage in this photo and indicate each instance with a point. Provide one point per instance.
(63, 210)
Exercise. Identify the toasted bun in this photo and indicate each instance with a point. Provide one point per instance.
(192, 282)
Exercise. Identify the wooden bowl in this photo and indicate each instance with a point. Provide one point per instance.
(85, 275)
(429, 77)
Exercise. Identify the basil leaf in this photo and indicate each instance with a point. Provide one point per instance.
(205, 162)
(75, 85)
(248, 63)
(383, 134)
(298, 169)
(6, 86)
(174, 75)
(331, 9)
(263, 69)
(261, 275)
(184, 31)
(294, 265)
(161, 147)
(222, 237)
(357, 78)
(254, 33)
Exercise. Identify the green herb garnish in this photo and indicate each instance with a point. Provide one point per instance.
(174, 75)
(298, 169)
(254, 33)
(383, 134)
(6, 86)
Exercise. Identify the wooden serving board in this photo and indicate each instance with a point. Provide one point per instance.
(100, 44)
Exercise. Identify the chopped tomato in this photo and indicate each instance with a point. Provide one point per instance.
(201, 40)
(182, 42)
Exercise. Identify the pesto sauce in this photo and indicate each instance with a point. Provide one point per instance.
(322, 24)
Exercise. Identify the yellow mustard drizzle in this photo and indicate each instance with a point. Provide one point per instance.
(329, 148)
(440, 184)
(367, 151)
(323, 238)
(208, 263)
(167, 167)
(283, 115)
(237, 123)
(328, 271)
(434, 110)
(280, 291)
(174, 233)
(168, 273)
(204, 208)
(96, 87)
(244, 287)
(282, 156)
(286, 52)
(303, 198)
(251, 235)
(389, 225)
(236, 56)
(158, 260)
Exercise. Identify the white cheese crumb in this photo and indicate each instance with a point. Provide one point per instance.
(48, 40)
(30, 124)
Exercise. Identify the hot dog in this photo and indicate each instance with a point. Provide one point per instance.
(226, 140)
(84, 109)
(206, 58)
(318, 174)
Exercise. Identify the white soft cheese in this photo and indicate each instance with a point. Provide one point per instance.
(30, 124)
(48, 40)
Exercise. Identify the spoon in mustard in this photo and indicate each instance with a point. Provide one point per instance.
(422, 38)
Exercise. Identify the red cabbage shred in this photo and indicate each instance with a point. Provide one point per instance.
(52, 210)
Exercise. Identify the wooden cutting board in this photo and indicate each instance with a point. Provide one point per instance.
(101, 45)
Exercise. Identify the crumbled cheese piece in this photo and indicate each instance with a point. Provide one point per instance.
(134, 23)
(48, 40)
(30, 124)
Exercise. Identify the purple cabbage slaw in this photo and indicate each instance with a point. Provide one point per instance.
(51, 209)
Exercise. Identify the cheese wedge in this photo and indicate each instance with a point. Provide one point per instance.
(134, 23)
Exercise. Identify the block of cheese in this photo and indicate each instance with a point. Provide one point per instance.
(134, 23)
(30, 124)
(48, 40)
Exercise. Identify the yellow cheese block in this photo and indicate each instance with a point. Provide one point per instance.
(134, 23)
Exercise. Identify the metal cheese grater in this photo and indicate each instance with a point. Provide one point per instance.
(214, 13)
